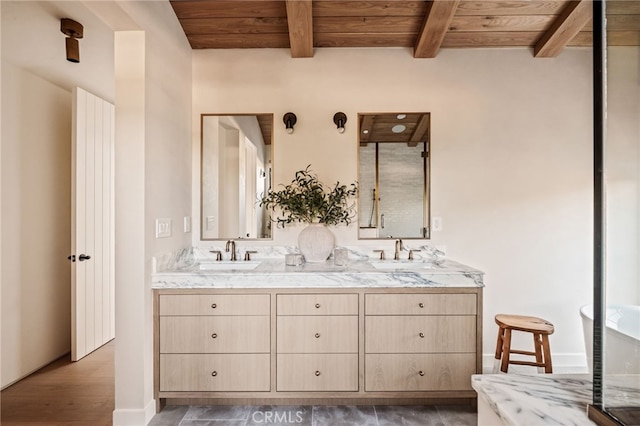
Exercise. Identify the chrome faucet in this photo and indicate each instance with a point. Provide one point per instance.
(399, 248)
(231, 246)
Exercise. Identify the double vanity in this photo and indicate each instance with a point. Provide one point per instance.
(261, 332)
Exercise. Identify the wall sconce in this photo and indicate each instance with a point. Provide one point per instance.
(73, 30)
(289, 121)
(340, 119)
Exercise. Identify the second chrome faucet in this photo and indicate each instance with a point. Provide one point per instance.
(231, 247)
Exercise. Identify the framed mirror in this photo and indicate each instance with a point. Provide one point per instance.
(393, 173)
(236, 171)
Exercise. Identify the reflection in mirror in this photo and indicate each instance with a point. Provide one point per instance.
(393, 168)
(235, 172)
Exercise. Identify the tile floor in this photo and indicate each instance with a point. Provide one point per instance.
(365, 415)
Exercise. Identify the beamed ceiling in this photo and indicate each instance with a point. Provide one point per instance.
(545, 26)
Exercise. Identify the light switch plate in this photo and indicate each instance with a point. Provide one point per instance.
(210, 223)
(163, 228)
(187, 224)
(436, 223)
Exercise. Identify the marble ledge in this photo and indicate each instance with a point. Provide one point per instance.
(181, 270)
(548, 399)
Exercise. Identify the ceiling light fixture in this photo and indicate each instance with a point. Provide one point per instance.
(401, 116)
(289, 120)
(398, 128)
(73, 30)
(340, 118)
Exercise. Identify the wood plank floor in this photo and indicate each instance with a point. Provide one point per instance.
(63, 393)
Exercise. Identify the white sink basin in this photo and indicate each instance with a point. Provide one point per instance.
(225, 265)
(400, 264)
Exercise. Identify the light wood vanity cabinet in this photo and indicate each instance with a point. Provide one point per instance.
(420, 342)
(214, 343)
(386, 345)
(317, 343)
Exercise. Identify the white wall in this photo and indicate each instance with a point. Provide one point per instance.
(36, 175)
(159, 171)
(511, 156)
(153, 180)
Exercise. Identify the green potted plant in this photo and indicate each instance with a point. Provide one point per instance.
(307, 200)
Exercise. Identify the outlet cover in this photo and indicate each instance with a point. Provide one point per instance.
(436, 224)
(163, 228)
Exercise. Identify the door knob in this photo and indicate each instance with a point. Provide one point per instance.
(83, 257)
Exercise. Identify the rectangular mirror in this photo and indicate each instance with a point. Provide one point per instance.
(236, 170)
(393, 173)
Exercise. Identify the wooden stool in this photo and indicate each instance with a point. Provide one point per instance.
(541, 329)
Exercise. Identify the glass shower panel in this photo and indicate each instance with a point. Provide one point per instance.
(621, 337)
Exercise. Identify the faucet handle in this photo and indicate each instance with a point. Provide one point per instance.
(411, 251)
(247, 254)
(381, 253)
(218, 254)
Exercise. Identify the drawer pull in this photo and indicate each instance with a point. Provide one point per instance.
(213, 306)
(421, 305)
(214, 373)
(317, 372)
(214, 335)
(317, 335)
(421, 335)
(421, 373)
(317, 306)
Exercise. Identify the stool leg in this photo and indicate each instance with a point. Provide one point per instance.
(537, 344)
(496, 362)
(506, 350)
(548, 368)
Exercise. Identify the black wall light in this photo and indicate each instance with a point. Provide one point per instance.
(73, 30)
(340, 119)
(289, 121)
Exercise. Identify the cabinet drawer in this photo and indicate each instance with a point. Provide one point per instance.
(317, 372)
(215, 334)
(419, 372)
(202, 372)
(317, 334)
(212, 304)
(317, 304)
(420, 304)
(400, 334)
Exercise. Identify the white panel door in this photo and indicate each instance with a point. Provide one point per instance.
(92, 239)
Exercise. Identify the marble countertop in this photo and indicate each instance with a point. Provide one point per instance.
(549, 399)
(182, 270)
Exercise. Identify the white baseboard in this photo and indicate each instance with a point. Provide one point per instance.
(564, 363)
(134, 417)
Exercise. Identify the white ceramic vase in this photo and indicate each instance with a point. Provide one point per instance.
(316, 242)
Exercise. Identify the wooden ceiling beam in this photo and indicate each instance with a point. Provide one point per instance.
(420, 132)
(568, 24)
(435, 26)
(300, 21)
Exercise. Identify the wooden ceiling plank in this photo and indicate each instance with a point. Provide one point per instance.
(572, 19)
(239, 41)
(501, 23)
(300, 20)
(364, 40)
(623, 7)
(359, 24)
(228, 9)
(435, 26)
(490, 39)
(513, 7)
(234, 25)
(618, 23)
(368, 8)
(614, 38)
